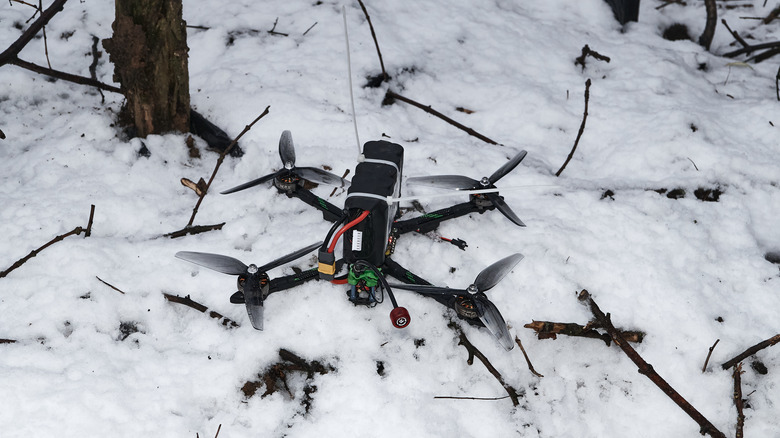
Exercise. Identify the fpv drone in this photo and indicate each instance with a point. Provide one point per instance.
(370, 226)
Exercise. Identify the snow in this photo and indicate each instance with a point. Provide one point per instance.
(662, 115)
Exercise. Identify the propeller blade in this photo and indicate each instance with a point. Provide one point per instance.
(429, 290)
(494, 322)
(254, 305)
(507, 167)
(217, 262)
(504, 208)
(456, 182)
(287, 150)
(494, 273)
(255, 182)
(320, 176)
(289, 257)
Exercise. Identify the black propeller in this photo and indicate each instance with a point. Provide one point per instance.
(287, 154)
(458, 182)
(485, 309)
(253, 281)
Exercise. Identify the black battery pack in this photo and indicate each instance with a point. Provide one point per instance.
(376, 178)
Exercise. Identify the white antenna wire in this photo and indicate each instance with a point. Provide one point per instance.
(351, 94)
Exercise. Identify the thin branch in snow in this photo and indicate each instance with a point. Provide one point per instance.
(453, 397)
(35, 252)
(706, 361)
(473, 351)
(392, 95)
(738, 402)
(376, 43)
(110, 285)
(527, 360)
(189, 302)
(705, 40)
(551, 330)
(197, 229)
(219, 163)
(586, 51)
(751, 351)
(7, 341)
(706, 427)
(582, 129)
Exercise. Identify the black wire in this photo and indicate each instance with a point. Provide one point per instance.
(333, 229)
(382, 281)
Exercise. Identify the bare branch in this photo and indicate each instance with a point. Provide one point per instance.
(751, 351)
(706, 427)
(376, 43)
(582, 129)
(219, 163)
(527, 360)
(706, 361)
(738, 403)
(432, 111)
(187, 301)
(705, 40)
(35, 252)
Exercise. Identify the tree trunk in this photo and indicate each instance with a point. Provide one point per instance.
(149, 53)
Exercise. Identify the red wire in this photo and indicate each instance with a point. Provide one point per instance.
(341, 281)
(345, 228)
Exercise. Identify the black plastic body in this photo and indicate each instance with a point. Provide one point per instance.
(376, 178)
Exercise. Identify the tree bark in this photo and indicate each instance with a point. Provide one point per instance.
(149, 53)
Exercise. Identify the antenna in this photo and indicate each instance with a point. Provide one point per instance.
(351, 94)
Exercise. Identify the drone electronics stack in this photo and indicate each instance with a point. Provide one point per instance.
(376, 178)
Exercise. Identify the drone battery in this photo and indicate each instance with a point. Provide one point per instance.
(376, 179)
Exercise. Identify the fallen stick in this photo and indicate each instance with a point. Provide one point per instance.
(189, 302)
(35, 252)
(473, 351)
(738, 403)
(194, 230)
(706, 361)
(376, 43)
(527, 360)
(432, 111)
(706, 427)
(751, 351)
(219, 163)
(550, 330)
(582, 129)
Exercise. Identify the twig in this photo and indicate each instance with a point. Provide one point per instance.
(777, 84)
(738, 401)
(93, 66)
(187, 301)
(310, 28)
(582, 129)
(7, 341)
(473, 351)
(706, 427)
(453, 397)
(735, 34)
(35, 252)
(376, 43)
(110, 285)
(586, 51)
(430, 110)
(527, 360)
(551, 330)
(273, 29)
(751, 351)
(13, 50)
(219, 163)
(705, 40)
(63, 75)
(706, 361)
(194, 230)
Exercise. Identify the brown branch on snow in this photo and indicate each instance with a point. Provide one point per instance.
(11, 54)
(738, 402)
(527, 360)
(705, 40)
(35, 252)
(110, 285)
(216, 168)
(7, 341)
(706, 361)
(777, 85)
(197, 229)
(551, 330)
(734, 34)
(473, 351)
(392, 95)
(376, 43)
(453, 397)
(586, 51)
(751, 351)
(582, 129)
(189, 302)
(215, 436)
(706, 427)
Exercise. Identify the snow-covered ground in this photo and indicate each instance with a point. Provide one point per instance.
(662, 115)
